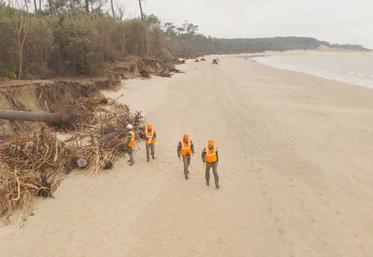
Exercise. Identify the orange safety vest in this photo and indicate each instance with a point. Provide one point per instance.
(132, 142)
(150, 135)
(210, 156)
(186, 148)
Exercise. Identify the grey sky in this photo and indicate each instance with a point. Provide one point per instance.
(338, 21)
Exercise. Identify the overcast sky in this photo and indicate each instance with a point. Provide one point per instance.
(337, 21)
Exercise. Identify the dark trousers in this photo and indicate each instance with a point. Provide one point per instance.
(149, 150)
(186, 161)
(130, 154)
(214, 167)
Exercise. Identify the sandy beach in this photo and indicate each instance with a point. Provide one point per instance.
(296, 173)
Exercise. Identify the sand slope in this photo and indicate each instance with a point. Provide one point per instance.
(296, 174)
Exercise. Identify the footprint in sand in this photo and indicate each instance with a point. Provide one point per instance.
(361, 248)
(280, 232)
(277, 219)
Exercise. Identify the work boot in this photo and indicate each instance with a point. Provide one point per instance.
(207, 183)
(132, 163)
(217, 186)
(153, 157)
(186, 176)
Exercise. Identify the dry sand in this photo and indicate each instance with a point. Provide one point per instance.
(296, 174)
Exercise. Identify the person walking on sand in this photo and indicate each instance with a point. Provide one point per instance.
(185, 149)
(210, 159)
(130, 143)
(150, 139)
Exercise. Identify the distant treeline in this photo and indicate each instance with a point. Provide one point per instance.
(207, 45)
(344, 46)
(77, 39)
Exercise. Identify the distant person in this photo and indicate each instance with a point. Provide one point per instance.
(150, 139)
(185, 149)
(130, 143)
(210, 159)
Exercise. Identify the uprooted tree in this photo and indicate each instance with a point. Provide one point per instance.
(33, 164)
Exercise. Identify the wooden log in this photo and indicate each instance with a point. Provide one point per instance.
(11, 115)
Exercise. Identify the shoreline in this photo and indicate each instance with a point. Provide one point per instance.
(305, 63)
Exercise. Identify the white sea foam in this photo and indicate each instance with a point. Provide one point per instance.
(351, 68)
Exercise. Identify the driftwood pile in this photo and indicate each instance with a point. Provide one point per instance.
(149, 66)
(34, 165)
(31, 166)
(97, 147)
(178, 61)
(144, 67)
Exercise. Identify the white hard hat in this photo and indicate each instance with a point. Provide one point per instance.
(129, 126)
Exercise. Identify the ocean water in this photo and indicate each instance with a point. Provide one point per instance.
(351, 68)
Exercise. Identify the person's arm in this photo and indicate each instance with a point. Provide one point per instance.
(178, 149)
(192, 147)
(203, 155)
(217, 156)
(155, 135)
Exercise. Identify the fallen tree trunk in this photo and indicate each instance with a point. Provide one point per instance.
(11, 115)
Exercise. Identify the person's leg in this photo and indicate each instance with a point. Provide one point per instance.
(216, 176)
(188, 157)
(185, 161)
(130, 154)
(147, 152)
(207, 173)
(152, 148)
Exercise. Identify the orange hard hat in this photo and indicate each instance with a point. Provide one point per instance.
(210, 141)
(186, 136)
